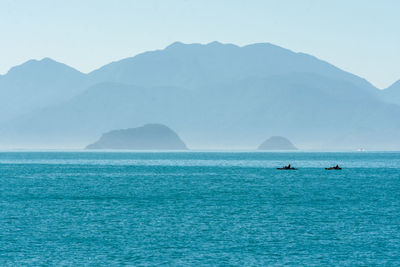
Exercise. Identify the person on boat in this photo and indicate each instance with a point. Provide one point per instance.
(334, 168)
(288, 167)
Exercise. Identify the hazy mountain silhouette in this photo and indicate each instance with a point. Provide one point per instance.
(147, 137)
(392, 93)
(219, 96)
(277, 143)
(196, 65)
(37, 84)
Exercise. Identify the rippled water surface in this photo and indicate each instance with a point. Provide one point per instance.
(199, 208)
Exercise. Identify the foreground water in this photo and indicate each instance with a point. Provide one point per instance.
(180, 209)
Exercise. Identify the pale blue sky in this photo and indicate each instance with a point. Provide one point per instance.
(360, 36)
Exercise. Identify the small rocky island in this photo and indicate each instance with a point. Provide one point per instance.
(277, 143)
(147, 137)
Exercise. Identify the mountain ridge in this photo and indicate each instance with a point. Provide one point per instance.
(36, 84)
(215, 95)
(256, 50)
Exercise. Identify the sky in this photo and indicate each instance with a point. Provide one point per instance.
(359, 36)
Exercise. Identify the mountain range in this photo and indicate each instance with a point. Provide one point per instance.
(214, 95)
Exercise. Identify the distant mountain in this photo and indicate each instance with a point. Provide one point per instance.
(277, 143)
(392, 93)
(236, 115)
(37, 84)
(147, 137)
(218, 96)
(195, 66)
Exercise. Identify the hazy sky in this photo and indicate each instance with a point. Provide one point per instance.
(360, 36)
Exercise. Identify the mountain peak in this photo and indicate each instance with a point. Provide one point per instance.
(215, 43)
(277, 143)
(45, 64)
(45, 60)
(48, 60)
(175, 45)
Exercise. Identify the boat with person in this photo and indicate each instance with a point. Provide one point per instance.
(288, 167)
(334, 168)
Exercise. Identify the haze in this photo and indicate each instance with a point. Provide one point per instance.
(361, 37)
(320, 75)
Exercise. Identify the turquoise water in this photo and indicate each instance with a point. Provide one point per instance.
(182, 209)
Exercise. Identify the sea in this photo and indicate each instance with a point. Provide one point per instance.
(110, 208)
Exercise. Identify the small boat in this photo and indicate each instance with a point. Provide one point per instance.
(334, 168)
(288, 167)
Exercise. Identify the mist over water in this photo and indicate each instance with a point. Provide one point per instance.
(186, 208)
(214, 96)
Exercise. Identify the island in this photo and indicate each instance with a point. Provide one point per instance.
(277, 143)
(147, 137)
